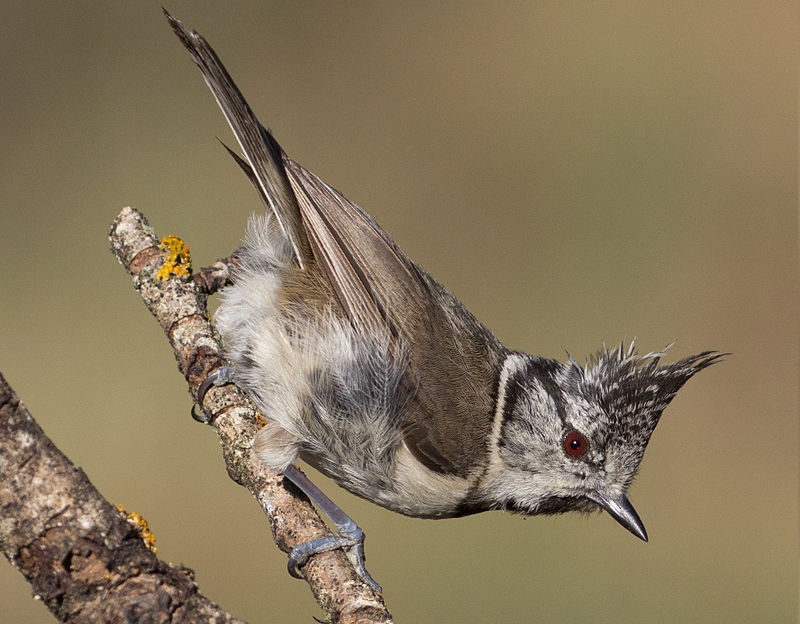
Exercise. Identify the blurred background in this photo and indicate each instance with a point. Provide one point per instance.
(577, 173)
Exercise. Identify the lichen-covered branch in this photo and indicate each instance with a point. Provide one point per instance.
(179, 305)
(79, 553)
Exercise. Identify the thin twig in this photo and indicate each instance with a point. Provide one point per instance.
(179, 305)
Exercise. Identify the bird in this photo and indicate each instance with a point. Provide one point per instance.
(374, 374)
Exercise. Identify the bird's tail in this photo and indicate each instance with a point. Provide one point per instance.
(263, 160)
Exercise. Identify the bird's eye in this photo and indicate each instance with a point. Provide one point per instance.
(575, 444)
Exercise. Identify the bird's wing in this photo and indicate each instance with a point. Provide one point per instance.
(453, 358)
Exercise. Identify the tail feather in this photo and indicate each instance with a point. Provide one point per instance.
(263, 156)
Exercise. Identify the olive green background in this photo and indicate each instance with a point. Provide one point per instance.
(577, 173)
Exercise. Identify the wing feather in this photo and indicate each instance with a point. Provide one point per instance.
(373, 279)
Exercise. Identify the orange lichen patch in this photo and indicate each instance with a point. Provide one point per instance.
(140, 524)
(177, 258)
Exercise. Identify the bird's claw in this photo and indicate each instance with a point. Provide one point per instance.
(220, 377)
(349, 539)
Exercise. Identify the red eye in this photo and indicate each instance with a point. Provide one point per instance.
(575, 444)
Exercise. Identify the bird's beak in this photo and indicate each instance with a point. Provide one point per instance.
(622, 511)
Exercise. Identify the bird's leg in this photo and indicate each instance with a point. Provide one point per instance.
(349, 536)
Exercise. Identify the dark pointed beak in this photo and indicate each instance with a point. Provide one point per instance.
(622, 511)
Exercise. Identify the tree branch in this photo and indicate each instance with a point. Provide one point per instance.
(79, 553)
(179, 305)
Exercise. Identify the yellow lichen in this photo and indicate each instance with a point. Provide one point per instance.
(261, 422)
(177, 258)
(140, 524)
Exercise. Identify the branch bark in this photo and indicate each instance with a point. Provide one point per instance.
(179, 306)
